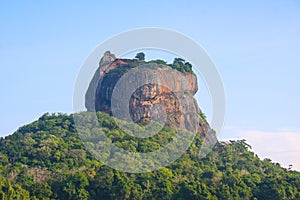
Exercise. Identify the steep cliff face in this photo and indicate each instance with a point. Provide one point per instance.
(175, 101)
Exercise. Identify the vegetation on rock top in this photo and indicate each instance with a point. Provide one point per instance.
(178, 64)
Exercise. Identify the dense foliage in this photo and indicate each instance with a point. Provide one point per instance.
(181, 65)
(47, 160)
(178, 64)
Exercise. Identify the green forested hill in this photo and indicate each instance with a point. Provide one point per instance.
(47, 160)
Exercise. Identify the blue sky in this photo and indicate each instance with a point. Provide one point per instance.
(255, 46)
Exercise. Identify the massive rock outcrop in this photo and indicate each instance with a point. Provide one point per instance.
(171, 97)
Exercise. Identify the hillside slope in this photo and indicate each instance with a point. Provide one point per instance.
(47, 160)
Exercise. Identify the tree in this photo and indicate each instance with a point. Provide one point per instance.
(230, 171)
(181, 65)
(140, 56)
(9, 191)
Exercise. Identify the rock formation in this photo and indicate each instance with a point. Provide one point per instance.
(175, 102)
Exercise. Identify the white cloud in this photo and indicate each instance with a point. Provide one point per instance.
(282, 147)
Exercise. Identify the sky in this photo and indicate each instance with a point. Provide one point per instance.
(255, 46)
